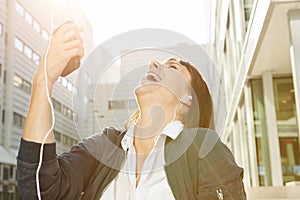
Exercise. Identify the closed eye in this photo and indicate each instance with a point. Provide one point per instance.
(173, 67)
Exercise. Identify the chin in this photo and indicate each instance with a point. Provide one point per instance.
(148, 87)
(142, 88)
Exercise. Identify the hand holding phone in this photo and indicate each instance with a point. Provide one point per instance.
(64, 53)
(74, 62)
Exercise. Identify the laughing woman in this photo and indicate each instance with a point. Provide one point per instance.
(168, 150)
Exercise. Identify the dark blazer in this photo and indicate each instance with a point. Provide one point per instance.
(198, 166)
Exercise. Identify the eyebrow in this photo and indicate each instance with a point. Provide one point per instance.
(174, 61)
(170, 59)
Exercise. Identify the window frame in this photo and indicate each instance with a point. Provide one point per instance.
(36, 58)
(28, 18)
(45, 34)
(17, 42)
(28, 52)
(36, 26)
(21, 83)
(19, 9)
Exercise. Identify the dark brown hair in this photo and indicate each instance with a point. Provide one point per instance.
(200, 113)
(201, 102)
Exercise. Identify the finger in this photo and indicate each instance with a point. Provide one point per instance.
(71, 26)
(67, 26)
(77, 43)
(68, 36)
(60, 27)
(73, 52)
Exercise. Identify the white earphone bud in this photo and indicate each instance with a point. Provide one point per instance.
(186, 99)
(189, 97)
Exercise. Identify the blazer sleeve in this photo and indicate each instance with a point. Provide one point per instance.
(61, 177)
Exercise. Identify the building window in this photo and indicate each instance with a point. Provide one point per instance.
(70, 86)
(45, 34)
(1, 169)
(24, 85)
(68, 141)
(116, 104)
(64, 139)
(27, 51)
(85, 99)
(19, 9)
(1, 29)
(248, 4)
(3, 116)
(4, 76)
(290, 158)
(74, 142)
(287, 127)
(75, 91)
(36, 58)
(37, 26)
(18, 120)
(64, 81)
(261, 136)
(67, 112)
(18, 81)
(56, 105)
(5, 173)
(11, 173)
(19, 45)
(75, 116)
(1, 191)
(28, 18)
(11, 192)
(57, 135)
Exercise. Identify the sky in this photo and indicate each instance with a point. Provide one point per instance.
(112, 17)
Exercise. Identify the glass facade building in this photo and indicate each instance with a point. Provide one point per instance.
(256, 45)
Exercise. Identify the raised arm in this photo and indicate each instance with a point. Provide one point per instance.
(57, 179)
(65, 44)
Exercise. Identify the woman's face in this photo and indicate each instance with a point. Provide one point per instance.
(169, 80)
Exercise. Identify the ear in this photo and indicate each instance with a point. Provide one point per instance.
(186, 100)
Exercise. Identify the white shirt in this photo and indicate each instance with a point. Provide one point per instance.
(153, 182)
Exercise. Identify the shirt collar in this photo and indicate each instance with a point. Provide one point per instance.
(172, 130)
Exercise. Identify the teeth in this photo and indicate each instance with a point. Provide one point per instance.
(156, 78)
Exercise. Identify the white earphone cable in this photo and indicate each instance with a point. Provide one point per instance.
(52, 114)
(50, 104)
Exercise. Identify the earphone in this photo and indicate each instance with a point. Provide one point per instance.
(186, 99)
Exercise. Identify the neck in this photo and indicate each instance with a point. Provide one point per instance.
(153, 119)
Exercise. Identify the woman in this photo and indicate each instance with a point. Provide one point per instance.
(168, 151)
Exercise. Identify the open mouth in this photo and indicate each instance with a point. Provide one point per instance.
(150, 76)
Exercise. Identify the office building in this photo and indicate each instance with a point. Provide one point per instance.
(257, 47)
(25, 28)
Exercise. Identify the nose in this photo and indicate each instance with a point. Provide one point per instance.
(155, 65)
